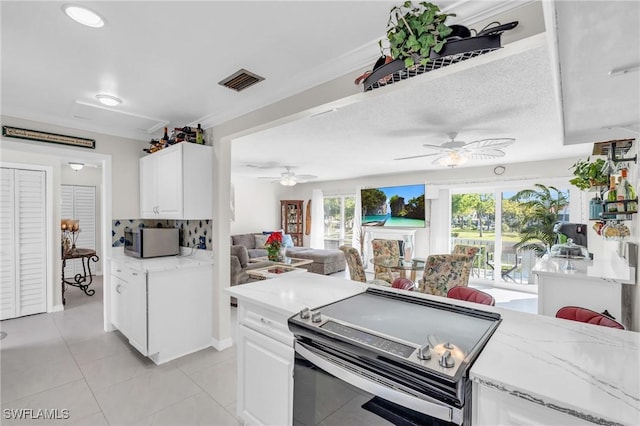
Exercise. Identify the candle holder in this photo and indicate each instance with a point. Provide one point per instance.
(70, 229)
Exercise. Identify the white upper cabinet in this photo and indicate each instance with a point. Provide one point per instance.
(176, 183)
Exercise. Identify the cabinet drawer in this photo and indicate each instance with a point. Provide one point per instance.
(125, 273)
(266, 322)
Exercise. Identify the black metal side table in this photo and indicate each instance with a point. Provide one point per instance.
(83, 280)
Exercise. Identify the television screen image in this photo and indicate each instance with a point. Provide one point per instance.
(394, 206)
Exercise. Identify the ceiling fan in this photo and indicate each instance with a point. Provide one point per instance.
(455, 153)
(289, 178)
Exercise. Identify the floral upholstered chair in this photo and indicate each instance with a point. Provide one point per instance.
(444, 271)
(388, 249)
(356, 268)
(470, 251)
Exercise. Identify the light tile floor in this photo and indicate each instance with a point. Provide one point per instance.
(65, 361)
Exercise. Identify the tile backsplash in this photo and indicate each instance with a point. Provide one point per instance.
(193, 233)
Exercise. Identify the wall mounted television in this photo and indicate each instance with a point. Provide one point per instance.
(394, 206)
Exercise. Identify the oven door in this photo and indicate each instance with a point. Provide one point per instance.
(329, 390)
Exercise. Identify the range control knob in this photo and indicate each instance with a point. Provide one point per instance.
(424, 352)
(446, 360)
(316, 317)
(305, 313)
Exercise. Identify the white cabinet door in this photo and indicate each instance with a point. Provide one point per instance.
(161, 185)
(265, 379)
(147, 188)
(118, 286)
(169, 183)
(23, 247)
(135, 311)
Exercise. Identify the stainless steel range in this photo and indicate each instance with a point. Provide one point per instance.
(386, 358)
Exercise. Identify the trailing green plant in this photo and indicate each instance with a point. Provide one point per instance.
(542, 208)
(413, 30)
(589, 173)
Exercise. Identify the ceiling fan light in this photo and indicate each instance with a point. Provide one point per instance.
(453, 159)
(287, 181)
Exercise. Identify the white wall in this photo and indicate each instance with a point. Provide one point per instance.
(257, 206)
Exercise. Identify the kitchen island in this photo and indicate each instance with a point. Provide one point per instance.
(600, 285)
(534, 369)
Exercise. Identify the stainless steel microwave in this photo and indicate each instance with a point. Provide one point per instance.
(151, 242)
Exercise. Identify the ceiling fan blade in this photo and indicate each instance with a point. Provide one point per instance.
(483, 144)
(305, 177)
(441, 148)
(485, 155)
(417, 156)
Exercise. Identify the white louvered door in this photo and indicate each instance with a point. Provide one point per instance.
(23, 231)
(79, 203)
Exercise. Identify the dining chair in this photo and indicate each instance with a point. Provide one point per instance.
(389, 249)
(471, 295)
(444, 271)
(576, 313)
(356, 268)
(403, 284)
(472, 251)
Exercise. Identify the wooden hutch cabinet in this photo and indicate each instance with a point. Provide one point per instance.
(291, 219)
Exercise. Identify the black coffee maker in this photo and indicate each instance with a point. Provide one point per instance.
(576, 231)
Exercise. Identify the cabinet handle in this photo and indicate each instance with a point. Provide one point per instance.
(264, 321)
(118, 289)
(118, 270)
(134, 273)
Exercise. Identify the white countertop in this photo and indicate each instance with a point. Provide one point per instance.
(166, 263)
(581, 369)
(289, 294)
(585, 370)
(610, 268)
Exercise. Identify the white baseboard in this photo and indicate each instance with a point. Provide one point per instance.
(57, 308)
(221, 345)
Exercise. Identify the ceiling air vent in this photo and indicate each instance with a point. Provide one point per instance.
(240, 80)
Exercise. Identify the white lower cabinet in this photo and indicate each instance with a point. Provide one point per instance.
(164, 314)
(265, 367)
(493, 407)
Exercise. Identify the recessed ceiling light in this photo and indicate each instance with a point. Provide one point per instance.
(83, 16)
(109, 100)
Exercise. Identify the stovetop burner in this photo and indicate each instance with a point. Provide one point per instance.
(433, 336)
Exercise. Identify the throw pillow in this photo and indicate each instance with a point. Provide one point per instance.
(287, 241)
(260, 240)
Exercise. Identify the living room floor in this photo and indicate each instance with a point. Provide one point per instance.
(65, 361)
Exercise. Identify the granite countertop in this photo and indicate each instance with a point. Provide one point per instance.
(587, 371)
(158, 264)
(610, 268)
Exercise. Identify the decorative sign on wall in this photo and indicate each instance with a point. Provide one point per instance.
(36, 135)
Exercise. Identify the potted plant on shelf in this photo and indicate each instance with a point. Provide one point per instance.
(413, 30)
(589, 174)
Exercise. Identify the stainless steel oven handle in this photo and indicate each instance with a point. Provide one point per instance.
(441, 411)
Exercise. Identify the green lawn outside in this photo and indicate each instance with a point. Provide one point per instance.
(486, 235)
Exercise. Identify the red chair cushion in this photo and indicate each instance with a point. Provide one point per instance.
(575, 313)
(471, 295)
(403, 284)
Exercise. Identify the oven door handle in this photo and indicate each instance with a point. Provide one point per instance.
(431, 408)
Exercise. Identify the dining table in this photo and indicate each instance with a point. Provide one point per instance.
(400, 265)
